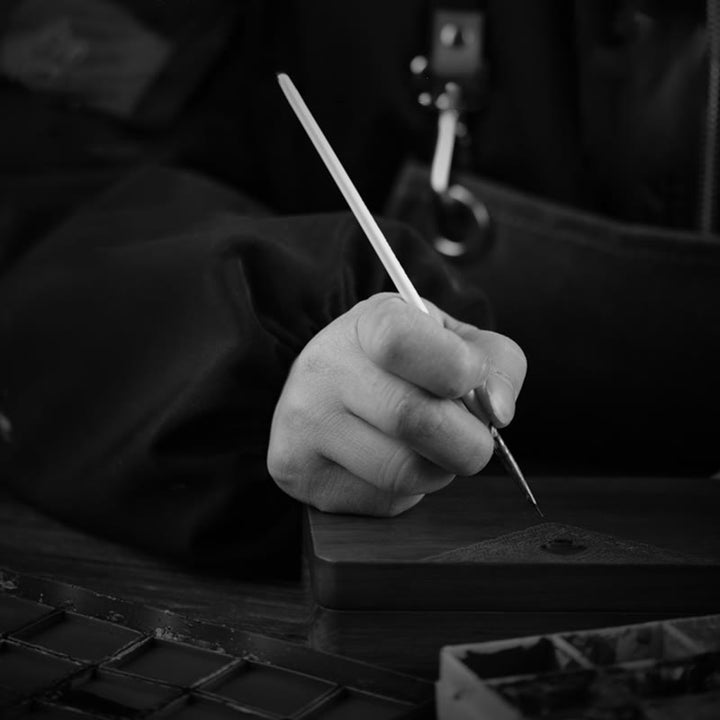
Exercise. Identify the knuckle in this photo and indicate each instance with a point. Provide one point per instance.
(399, 473)
(407, 473)
(290, 451)
(283, 462)
(386, 345)
(417, 418)
(386, 339)
(310, 362)
(291, 425)
(460, 372)
(282, 468)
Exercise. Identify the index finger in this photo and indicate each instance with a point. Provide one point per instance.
(503, 355)
(435, 351)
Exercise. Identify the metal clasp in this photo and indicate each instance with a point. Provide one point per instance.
(453, 83)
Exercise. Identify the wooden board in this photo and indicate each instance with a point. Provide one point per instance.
(468, 565)
(410, 641)
(635, 544)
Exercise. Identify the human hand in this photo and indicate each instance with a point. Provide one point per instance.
(370, 420)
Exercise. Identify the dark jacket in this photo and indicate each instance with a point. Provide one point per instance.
(146, 330)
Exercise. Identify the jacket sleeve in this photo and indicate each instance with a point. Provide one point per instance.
(144, 345)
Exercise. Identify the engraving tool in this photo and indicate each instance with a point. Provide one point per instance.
(398, 275)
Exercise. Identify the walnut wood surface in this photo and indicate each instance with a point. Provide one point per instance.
(675, 513)
(410, 642)
(678, 515)
(654, 545)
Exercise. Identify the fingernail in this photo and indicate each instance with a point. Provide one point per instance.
(501, 395)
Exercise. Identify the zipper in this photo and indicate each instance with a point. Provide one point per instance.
(709, 180)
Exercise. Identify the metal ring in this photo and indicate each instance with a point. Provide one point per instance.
(453, 239)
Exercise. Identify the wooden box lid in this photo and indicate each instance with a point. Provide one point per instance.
(648, 544)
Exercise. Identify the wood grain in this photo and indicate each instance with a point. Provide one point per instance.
(467, 565)
(32, 543)
(652, 544)
(410, 642)
(548, 543)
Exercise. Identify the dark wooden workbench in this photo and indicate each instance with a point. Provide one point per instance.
(405, 639)
(34, 544)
